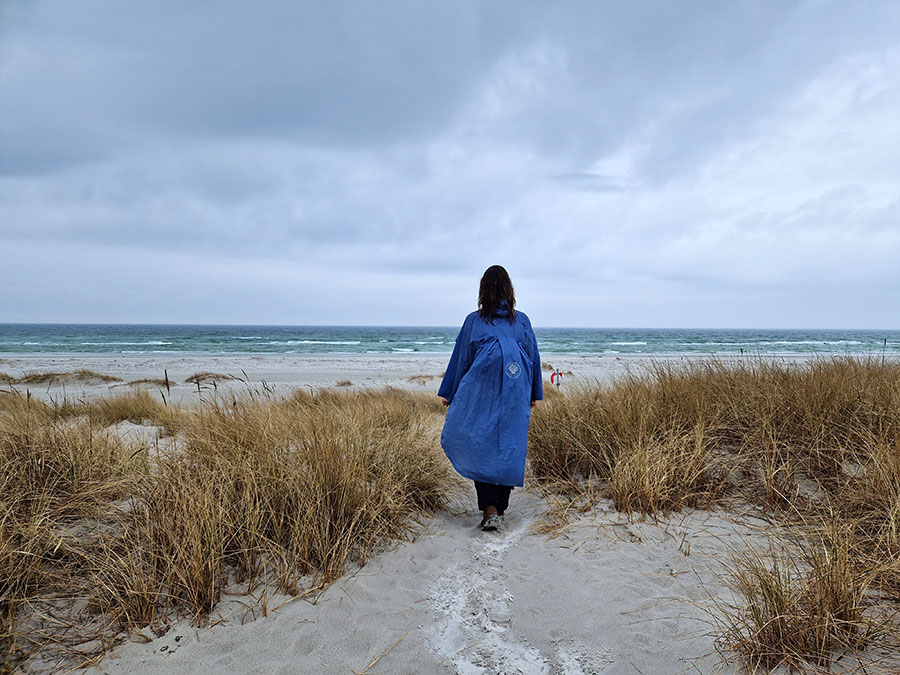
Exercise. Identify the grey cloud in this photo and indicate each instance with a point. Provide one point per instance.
(592, 182)
(356, 73)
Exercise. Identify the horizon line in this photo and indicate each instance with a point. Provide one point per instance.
(352, 325)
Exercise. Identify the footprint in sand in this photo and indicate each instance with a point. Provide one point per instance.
(475, 612)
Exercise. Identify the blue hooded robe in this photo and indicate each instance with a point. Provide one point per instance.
(493, 375)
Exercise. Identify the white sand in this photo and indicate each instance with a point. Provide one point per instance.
(283, 373)
(607, 596)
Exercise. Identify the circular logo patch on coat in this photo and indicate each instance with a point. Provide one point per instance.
(513, 369)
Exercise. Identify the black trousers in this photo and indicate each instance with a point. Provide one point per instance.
(492, 495)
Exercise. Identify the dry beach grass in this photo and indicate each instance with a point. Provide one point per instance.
(278, 492)
(81, 375)
(255, 492)
(816, 447)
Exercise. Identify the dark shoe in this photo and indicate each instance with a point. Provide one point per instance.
(490, 523)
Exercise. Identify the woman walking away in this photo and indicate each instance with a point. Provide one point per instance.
(492, 382)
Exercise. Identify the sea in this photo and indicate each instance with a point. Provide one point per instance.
(33, 339)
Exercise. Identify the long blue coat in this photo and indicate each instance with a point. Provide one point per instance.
(493, 375)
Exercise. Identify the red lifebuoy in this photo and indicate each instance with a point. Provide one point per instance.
(552, 376)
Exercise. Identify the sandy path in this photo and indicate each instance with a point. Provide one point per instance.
(608, 596)
(474, 605)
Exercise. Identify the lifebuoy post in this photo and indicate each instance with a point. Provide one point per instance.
(556, 377)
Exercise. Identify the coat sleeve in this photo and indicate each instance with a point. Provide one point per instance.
(460, 361)
(537, 381)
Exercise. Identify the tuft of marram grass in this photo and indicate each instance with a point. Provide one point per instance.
(667, 473)
(629, 432)
(869, 498)
(799, 610)
(421, 379)
(137, 406)
(206, 376)
(157, 382)
(54, 473)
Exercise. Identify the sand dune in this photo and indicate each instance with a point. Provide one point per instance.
(603, 594)
(607, 595)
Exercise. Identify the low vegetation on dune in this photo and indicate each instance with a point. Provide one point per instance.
(278, 494)
(83, 375)
(816, 446)
(260, 493)
(802, 606)
(156, 382)
(139, 407)
(421, 379)
(206, 376)
(55, 473)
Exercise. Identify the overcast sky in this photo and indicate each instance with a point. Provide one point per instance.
(666, 164)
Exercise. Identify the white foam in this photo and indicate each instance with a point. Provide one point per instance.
(313, 342)
(132, 344)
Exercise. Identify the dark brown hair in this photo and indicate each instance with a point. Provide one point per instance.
(495, 287)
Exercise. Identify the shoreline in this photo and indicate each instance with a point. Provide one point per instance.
(8, 356)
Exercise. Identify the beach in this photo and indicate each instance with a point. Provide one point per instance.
(283, 373)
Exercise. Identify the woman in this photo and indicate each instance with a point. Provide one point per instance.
(492, 382)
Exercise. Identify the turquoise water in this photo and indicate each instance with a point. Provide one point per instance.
(176, 339)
